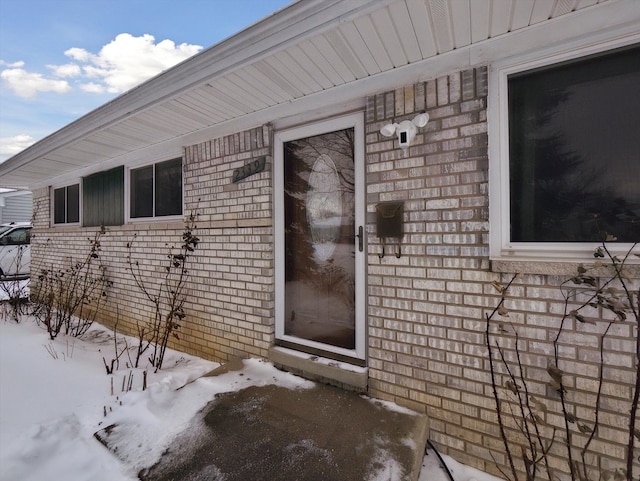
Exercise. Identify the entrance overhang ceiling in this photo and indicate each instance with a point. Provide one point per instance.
(286, 63)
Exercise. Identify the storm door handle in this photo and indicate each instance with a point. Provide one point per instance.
(360, 236)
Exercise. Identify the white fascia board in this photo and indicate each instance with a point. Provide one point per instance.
(611, 19)
(339, 100)
(302, 19)
(596, 24)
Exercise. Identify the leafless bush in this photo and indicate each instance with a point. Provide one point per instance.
(166, 292)
(601, 295)
(70, 298)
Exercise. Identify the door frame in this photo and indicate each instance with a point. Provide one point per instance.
(355, 121)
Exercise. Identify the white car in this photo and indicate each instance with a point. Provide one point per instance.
(15, 250)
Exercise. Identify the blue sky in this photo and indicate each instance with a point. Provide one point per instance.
(61, 59)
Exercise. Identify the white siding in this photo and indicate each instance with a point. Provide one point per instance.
(16, 207)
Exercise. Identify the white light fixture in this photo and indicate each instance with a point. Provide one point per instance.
(406, 130)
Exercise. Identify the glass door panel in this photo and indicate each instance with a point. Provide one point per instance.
(319, 226)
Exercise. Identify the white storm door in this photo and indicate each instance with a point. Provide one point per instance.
(320, 245)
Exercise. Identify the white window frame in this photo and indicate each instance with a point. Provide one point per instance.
(52, 190)
(355, 121)
(127, 193)
(501, 246)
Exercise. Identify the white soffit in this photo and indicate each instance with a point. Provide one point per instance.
(284, 63)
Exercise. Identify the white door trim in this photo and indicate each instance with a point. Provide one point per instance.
(355, 121)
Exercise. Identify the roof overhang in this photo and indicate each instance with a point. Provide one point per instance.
(310, 59)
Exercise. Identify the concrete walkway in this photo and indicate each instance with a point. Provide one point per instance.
(274, 433)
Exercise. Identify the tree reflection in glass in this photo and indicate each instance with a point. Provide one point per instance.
(574, 150)
(319, 242)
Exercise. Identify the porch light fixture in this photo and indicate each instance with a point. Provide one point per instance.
(405, 130)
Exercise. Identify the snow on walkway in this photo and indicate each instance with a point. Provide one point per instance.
(54, 396)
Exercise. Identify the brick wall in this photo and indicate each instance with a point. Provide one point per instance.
(234, 277)
(427, 309)
(230, 290)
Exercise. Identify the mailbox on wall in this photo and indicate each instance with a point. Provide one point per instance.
(389, 223)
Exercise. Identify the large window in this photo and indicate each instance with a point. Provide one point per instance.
(66, 204)
(103, 198)
(156, 190)
(566, 167)
(574, 150)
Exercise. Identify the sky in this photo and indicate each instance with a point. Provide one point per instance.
(62, 59)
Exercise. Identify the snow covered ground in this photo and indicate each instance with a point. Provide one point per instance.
(54, 395)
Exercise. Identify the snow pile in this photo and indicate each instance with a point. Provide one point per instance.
(54, 395)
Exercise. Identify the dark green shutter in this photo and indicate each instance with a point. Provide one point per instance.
(103, 198)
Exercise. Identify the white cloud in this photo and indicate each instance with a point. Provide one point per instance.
(93, 72)
(17, 64)
(27, 84)
(120, 65)
(93, 88)
(12, 145)
(67, 70)
(128, 61)
(79, 54)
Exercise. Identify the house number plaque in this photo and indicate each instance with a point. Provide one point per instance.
(249, 169)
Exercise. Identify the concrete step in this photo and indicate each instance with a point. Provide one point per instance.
(275, 433)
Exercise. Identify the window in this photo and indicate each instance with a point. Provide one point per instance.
(66, 204)
(103, 198)
(572, 152)
(156, 190)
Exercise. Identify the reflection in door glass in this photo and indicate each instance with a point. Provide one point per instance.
(324, 207)
(319, 242)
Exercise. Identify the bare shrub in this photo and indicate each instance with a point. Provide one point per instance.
(600, 296)
(70, 298)
(165, 290)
